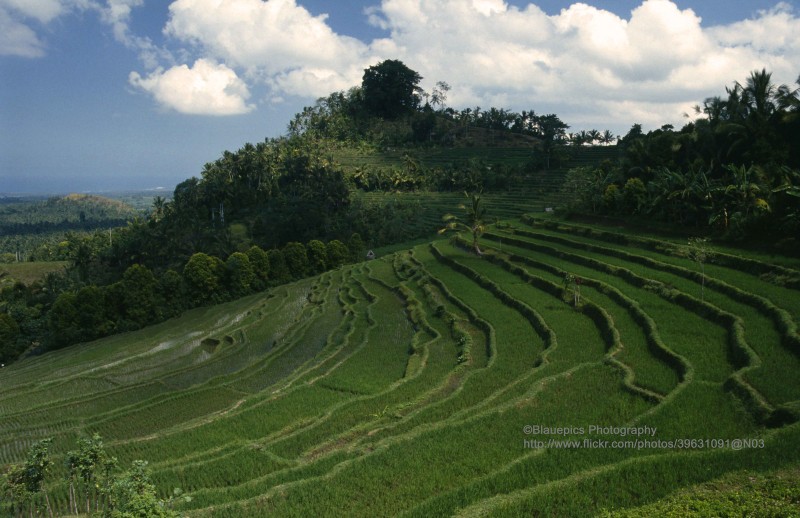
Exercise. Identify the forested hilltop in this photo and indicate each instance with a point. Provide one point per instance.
(733, 173)
(297, 205)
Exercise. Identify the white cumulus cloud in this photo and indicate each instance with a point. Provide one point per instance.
(274, 36)
(206, 88)
(587, 64)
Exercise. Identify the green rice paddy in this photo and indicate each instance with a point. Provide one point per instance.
(433, 382)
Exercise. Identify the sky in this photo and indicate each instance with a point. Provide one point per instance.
(105, 95)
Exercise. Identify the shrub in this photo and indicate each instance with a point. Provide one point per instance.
(337, 253)
(202, 278)
(239, 274)
(296, 258)
(317, 256)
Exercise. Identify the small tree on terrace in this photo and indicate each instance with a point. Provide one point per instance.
(700, 252)
(22, 483)
(473, 220)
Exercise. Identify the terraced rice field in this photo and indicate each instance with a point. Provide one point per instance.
(539, 191)
(433, 382)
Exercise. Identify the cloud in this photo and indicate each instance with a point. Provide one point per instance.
(18, 37)
(207, 88)
(585, 63)
(43, 11)
(274, 36)
(117, 14)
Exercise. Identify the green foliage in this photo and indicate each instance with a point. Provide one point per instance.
(90, 471)
(201, 276)
(337, 253)
(769, 495)
(412, 357)
(390, 89)
(634, 195)
(296, 258)
(473, 221)
(23, 483)
(611, 198)
(140, 293)
(259, 260)
(171, 290)
(133, 495)
(63, 320)
(729, 171)
(80, 316)
(279, 270)
(358, 248)
(317, 256)
(9, 333)
(239, 274)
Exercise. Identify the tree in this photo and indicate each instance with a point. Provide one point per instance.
(390, 89)
(700, 252)
(337, 253)
(439, 94)
(171, 288)
(259, 260)
(9, 332)
(357, 247)
(134, 496)
(572, 288)
(279, 271)
(63, 320)
(202, 279)
(139, 295)
(15, 489)
(37, 468)
(552, 131)
(296, 258)
(239, 274)
(473, 221)
(634, 195)
(317, 256)
(84, 466)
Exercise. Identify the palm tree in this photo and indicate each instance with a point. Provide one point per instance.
(607, 137)
(759, 94)
(473, 221)
(745, 193)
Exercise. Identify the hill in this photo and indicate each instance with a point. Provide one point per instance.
(32, 228)
(569, 371)
(71, 208)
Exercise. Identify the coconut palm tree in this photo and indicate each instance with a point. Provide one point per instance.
(473, 220)
(607, 137)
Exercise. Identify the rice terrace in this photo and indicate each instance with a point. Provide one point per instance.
(419, 314)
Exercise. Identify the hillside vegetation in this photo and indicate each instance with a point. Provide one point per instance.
(406, 385)
(529, 366)
(31, 229)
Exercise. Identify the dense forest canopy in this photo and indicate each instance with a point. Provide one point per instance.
(284, 208)
(733, 172)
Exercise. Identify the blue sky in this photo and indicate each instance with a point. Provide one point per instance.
(133, 94)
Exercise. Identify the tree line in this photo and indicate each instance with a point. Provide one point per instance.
(735, 171)
(52, 316)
